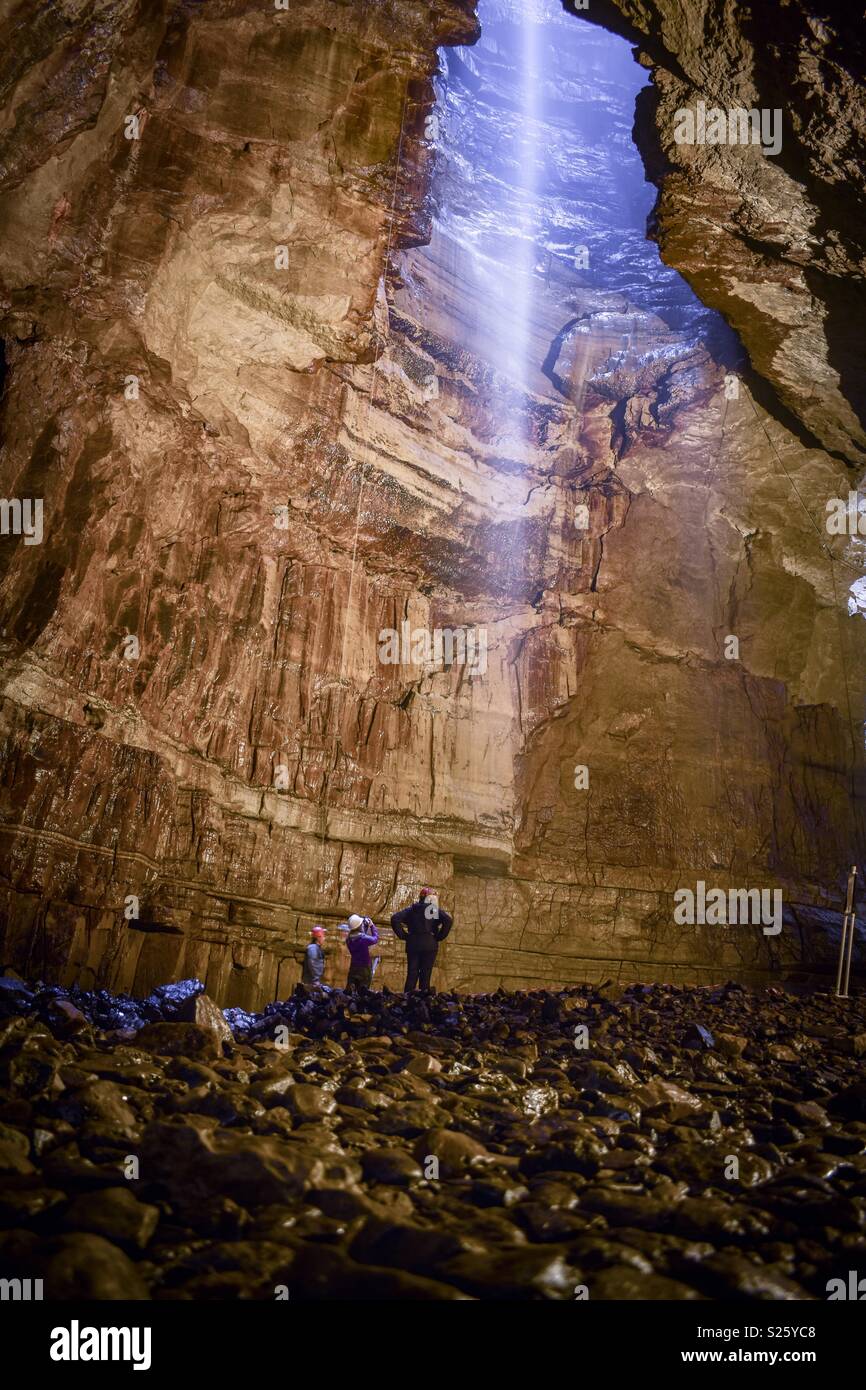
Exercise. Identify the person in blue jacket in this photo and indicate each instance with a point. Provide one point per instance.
(314, 958)
(421, 926)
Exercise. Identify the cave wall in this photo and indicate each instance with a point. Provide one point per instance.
(253, 470)
(777, 244)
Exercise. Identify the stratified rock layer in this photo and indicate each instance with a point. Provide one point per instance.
(776, 242)
(653, 1144)
(258, 450)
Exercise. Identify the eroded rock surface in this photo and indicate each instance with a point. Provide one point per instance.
(266, 428)
(775, 242)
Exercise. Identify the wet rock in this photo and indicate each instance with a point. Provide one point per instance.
(192, 1073)
(620, 1208)
(597, 1075)
(624, 1282)
(320, 1273)
(14, 1150)
(365, 1099)
(734, 1275)
(227, 1107)
(666, 1100)
(64, 1019)
(731, 1044)
(253, 1170)
(532, 1273)
(549, 1225)
(168, 1003)
(454, 1151)
(180, 1039)
(391, 1166)
(409, 1247)
(408, 1119)
(424, 1065)
(81, 1267)
(553, 1193)
(539, 1100)
(309, 1102)
(242, 1268)
(215, 1216)
(100, 1101)
(28, 1204)
(583, 1154)
(338, 1204)
(490, 1193)
(65, 1167)
(272, 1090)
(114, 1213)
(805, 1112)
(201, 1010)
(712, 1219)
(128, 1067)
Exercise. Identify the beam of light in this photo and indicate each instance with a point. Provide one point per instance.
(527, 147)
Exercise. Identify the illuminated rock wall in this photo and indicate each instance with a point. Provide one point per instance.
(256, 455)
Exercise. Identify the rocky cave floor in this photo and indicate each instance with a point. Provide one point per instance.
(147, 1151)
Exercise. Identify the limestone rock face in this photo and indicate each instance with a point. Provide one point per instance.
(776, 242)
(256, 378)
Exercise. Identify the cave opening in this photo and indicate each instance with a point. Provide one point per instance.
(540, 193)
(540, 267)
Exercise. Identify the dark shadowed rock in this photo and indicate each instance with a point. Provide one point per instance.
(624, 1282)
(83, 1267)
(114, 1213)
(167, 1003)
(254, 1170)
(14, 1148)
(320, 1273)
(98, 1101)
(850, 1102)
(180, 1040)
(391, 1166)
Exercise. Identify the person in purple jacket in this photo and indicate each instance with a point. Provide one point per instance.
(362, 935)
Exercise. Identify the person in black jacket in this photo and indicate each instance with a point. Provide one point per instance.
(422, 926)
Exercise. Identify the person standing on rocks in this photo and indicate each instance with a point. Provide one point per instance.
(421, 926)
(362, 935)
(314, 958)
